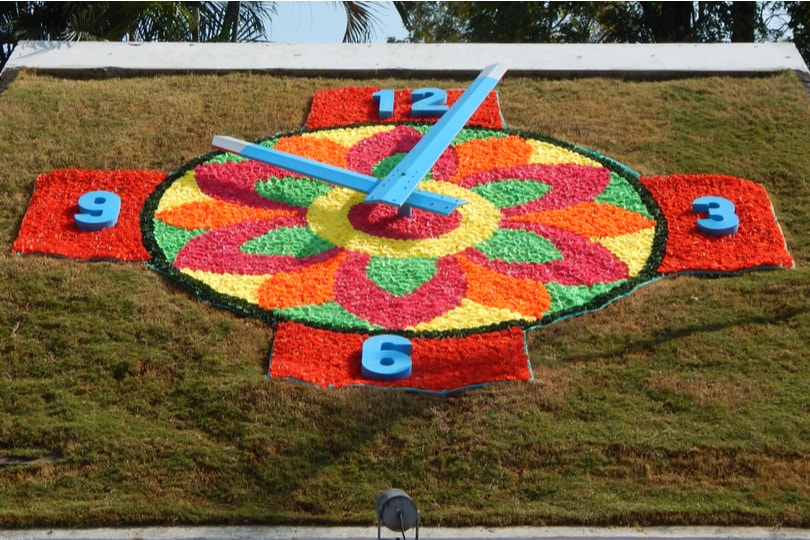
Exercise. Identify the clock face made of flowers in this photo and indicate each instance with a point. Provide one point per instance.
(492, 233)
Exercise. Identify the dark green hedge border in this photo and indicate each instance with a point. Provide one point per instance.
(206, 294)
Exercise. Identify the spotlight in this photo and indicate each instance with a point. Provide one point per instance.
(397, 511)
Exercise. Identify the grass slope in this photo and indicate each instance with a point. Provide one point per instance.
(123, 400)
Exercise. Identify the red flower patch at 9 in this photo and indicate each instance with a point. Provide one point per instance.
(332, 359)
(50, 228)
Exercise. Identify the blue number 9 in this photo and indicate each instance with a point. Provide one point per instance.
(721, 221)
(97, 210)
(386, 358)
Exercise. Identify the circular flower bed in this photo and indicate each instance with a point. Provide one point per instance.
(548, 231)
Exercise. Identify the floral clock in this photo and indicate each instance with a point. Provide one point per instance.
(548, 230)
(545, 230)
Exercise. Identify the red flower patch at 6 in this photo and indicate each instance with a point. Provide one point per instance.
(327, 358)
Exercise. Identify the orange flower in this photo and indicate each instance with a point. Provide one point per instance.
(494, 289)
(311, 285)
(758, 243)
(448, 363)
(487, 154)
(317, 148)
(591, 220)
(216, 214)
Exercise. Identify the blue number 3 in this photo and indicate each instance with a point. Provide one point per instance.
(97, 210)
(721, 221)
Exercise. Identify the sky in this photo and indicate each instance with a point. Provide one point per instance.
(324, 22)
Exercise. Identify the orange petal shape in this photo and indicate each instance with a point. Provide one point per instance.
(310, 285)
(490, 288)
(592, 220)
(317, 148)
(216, 214)
(486, 154)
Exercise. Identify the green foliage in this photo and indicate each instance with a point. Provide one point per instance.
(157, 21)
(288, 191)
(607, 22)
(295, 241)
(799, 26)
(127, 402)
(505, 22)
(511, 192)
(138, 21)
(400, 276)
(519, 246)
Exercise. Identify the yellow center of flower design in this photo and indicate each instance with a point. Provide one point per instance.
(328, 217)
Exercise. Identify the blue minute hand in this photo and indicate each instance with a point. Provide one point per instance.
(396, 188)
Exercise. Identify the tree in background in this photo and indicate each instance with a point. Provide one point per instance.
(799, 13)
(137, 21)
(498, 22)
(155, 21)
(607, 22)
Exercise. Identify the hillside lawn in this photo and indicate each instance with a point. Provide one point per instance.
(124, 400)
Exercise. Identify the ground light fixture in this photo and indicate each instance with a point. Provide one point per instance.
(397, 511)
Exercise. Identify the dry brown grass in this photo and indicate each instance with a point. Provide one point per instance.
(685, 403)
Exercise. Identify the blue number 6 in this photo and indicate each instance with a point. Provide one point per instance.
(721, 221)
(98, 210)
(386, 358)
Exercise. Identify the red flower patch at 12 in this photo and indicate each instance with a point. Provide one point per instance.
(49, 226)
(757, 244)
(350, 105)
(332, 359)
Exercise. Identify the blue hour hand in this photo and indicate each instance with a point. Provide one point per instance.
(398, 187)
(424, 200)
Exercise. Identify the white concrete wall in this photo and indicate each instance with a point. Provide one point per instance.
(543, 59)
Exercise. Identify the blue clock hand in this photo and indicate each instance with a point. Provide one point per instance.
(396, 188)
(425, 200)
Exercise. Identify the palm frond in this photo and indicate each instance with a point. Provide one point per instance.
(361, 19)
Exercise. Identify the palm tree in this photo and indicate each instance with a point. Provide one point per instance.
(156, 21)
(361, 18)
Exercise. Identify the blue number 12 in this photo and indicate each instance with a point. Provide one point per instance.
(426, 102)
(385, 99)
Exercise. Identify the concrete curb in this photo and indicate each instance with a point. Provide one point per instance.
(555, 60)
(358, 533)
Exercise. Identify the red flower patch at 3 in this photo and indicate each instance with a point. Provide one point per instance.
(49, 227)
(758, 242)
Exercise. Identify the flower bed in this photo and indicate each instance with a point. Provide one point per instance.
(548, 231)
(758, 243)
(49, 227)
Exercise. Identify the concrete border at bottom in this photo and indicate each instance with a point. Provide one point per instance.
(358, 533)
